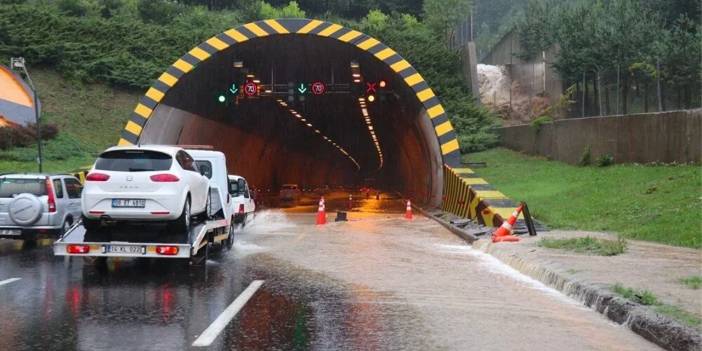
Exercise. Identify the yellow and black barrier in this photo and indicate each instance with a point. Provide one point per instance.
(469, 196)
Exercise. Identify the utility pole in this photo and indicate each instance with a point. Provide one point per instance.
(19, 63)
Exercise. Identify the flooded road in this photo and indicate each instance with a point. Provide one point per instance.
(376, 282)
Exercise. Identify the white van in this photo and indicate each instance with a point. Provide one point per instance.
(213, 165)
(243, 203)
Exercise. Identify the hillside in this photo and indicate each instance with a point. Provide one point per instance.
(89, 117)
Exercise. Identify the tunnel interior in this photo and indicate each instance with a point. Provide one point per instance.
(275, 137)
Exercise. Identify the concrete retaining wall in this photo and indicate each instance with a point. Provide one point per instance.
(674, 136)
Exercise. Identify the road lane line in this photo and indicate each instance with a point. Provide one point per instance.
(210, 334)
(8, 281)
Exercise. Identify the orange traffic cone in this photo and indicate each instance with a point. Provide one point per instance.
(321, 213)
(504, 232)
(408, 211)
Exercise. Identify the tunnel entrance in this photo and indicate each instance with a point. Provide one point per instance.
(306, 102)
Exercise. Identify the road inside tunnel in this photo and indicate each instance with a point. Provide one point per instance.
(281, 135)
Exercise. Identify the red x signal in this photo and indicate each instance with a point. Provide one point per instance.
(370, 88)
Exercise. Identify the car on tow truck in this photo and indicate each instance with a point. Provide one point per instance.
(243, 203)
(144, 183)
(35, 205)
(155, 239)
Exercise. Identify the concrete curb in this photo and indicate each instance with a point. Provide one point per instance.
(642, 320)
(469, 238)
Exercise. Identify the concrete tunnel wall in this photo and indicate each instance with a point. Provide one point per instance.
(417, 137)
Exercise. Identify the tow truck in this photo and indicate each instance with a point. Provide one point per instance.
(144, 240)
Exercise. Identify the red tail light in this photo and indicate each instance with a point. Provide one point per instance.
(97, 177)
(78, 249)
(241, 208)
(50, 193)
(167, 250)
(165, 177)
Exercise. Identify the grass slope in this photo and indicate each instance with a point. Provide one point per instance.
(89, 117)
(655, 203)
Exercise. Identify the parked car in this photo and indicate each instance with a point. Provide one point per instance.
(243, 202)
(144, 183)
(289, 192)
(35, 204)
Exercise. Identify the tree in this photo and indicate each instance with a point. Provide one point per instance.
(535, 28)
(158, 11)
(375, 21)
(443, 16)
(291, 10)
(73, 7)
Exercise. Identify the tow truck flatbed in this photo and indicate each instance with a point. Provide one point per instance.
(145, 240)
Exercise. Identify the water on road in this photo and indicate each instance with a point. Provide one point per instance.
(376, 282)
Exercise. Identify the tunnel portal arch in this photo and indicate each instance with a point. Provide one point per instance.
(446, 136)
(156, 110)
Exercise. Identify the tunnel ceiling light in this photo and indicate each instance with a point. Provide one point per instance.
(371, 130)
(317, 131)
(238, 64)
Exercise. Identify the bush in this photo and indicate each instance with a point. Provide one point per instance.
(539, 121)
(73, 7)
(586, 157)
(605, 160)
(158, 11)
(25, 136)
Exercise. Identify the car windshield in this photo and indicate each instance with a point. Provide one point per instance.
(14, 186)
(233, 187)
(205, 168)
(134, 161)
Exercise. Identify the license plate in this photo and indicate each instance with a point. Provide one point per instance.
(10, 232)
(125, 249)
(129, 203)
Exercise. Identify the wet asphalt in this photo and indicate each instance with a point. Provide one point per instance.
(377, 282)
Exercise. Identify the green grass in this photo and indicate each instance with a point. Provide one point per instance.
(590, 245)
(643, 297)
(679, 314)
(647, 298)
(692, 282)
(89, 117)
(659, 203)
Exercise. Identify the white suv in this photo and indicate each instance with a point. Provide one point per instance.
(144, 183)
(32, 205)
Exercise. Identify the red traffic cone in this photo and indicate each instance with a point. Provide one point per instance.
(321, 213)
(408, 211)
(504, 232)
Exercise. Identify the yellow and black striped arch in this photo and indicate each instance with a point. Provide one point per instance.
(442, 126)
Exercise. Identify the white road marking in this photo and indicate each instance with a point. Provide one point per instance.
(210, 334)
(8, 281)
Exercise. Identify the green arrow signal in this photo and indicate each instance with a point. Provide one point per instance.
(234, 89)
(302, 89)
